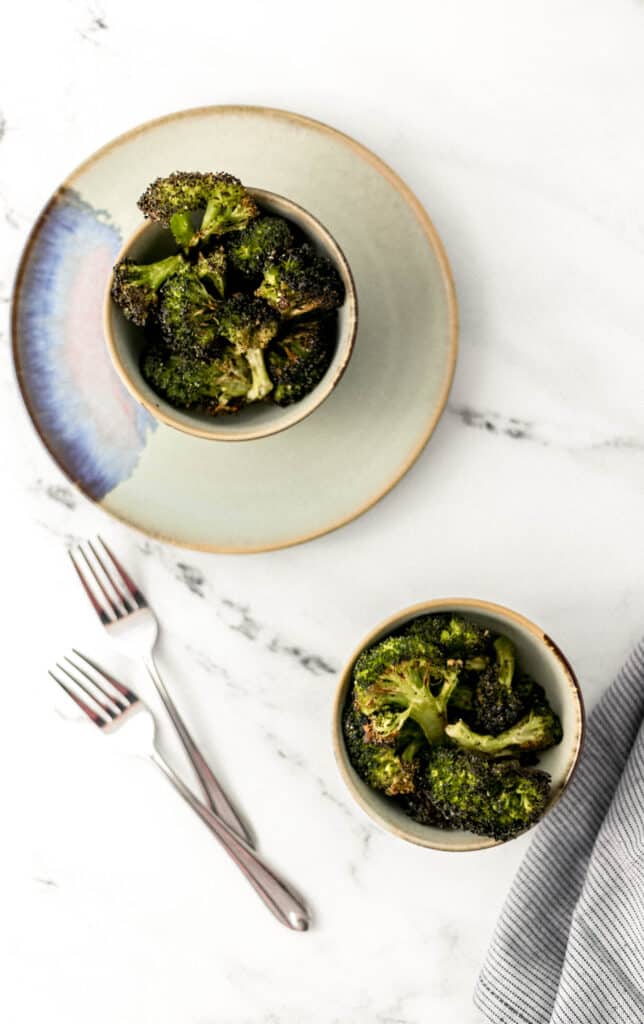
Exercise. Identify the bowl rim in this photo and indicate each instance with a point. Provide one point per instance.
(392, 622)
(316, 229)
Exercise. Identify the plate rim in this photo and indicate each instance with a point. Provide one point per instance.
(378, 165)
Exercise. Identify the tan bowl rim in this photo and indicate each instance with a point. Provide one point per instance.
(325, 388)
(443, 604)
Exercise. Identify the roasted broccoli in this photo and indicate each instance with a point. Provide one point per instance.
(212, 268)
(203, 303)
(380, 766)
(498, 703)
(187, 313)
(492, 798)
(249, 325)
(415, 699)
(135, 286)
(217, 384)
(410, 677)
(172, 201)
(419, 805)
(301, 282)
(457, 636)
(263, 241)
(297, 361)
(538, 730)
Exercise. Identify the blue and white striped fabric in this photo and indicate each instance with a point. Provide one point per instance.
(569, 946)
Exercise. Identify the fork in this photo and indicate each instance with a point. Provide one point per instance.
(129, 620)
(111, 706)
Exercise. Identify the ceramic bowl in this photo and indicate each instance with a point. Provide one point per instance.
(125, 340)
(536, 652)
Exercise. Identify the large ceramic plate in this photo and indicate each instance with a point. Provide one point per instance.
(279, 490)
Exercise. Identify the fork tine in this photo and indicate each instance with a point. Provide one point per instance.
(117, 701)
(98, 608)
(127, 579)
(77, 682)
(116, 611)
(93, 715)
(130, 696)
(123, 593)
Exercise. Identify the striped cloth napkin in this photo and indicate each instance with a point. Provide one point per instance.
(569, 946)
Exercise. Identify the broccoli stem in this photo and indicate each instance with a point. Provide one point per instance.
(451, 682)
(534, 732)
(157, 273)
(429, 718)
(505, 661)
(262, 383)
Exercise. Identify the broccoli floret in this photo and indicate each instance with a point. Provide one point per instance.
(499, 704)
(171, 201)
(380, 766)
(457, 636)
(301, 282)
(216, 385)
(180, 192)
(298, 361)
(403, 673)
(263, 241)
(230, 207)
(538, 730)
(135, 286)
(419, 806)
(385, 726)
(249, 325)
(212, 268)
(187, 313)
(491, 798)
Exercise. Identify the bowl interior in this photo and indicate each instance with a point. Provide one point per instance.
(152, 242)
(537, 654)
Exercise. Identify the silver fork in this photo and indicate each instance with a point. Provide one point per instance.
(130, 621)
(110, 705)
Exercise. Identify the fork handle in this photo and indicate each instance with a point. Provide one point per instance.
(286, 907)
(215, 795)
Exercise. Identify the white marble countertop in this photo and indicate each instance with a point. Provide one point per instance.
(519, 128)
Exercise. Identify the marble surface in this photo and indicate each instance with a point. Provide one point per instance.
(518, 128)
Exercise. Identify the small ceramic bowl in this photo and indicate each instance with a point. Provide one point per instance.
(125, 340)
(536, 652)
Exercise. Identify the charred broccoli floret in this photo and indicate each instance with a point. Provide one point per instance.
(172, 200)
(249, 325)
(457, 636)
(498, 702)
(218, 385)
(263, 241)
(298, 361)
(407, 676)
(135, 286)
(301, 282)
(187, 313)
(419, 806)
(380, 766)
(538, 730)
(212, 268)
(491, 798)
